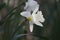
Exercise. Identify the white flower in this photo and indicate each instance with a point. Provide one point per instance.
(31, 5)
(34, 18)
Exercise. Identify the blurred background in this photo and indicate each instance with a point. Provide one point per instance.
(15, 27)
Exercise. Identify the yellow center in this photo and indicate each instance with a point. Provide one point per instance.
(30, 18)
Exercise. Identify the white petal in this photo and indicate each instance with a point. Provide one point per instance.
(31, 26)
(30, 0)
(40, 17)
(26, 6)
(31, 5)
(34, 14)
(39, 12)
(25, 14)
(36, 9)
(38, 23)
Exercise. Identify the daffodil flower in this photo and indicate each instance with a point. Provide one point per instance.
(31, 5)
(35, 18)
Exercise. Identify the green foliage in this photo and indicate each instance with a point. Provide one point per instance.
(12, 23)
